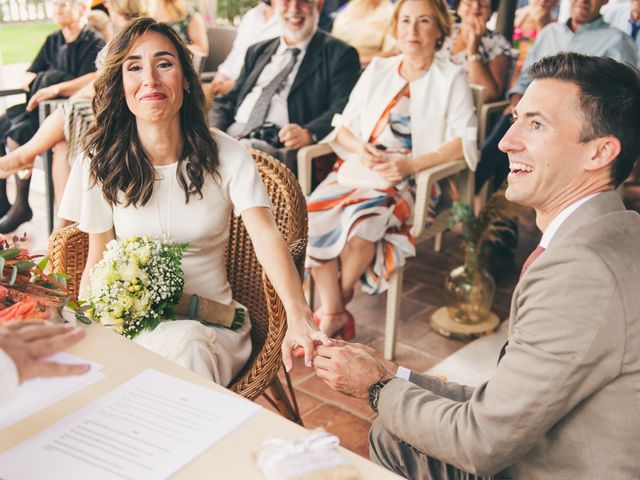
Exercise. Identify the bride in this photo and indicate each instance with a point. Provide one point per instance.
(153, 168)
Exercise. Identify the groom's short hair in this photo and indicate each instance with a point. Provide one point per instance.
(609, 101)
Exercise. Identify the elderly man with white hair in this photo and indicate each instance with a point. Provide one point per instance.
(291, 86)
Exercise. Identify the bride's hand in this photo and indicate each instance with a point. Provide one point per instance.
(370, 155)
(302, 332)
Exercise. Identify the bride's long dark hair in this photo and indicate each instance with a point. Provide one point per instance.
(118, 161)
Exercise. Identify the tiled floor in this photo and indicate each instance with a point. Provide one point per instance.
(418, 346)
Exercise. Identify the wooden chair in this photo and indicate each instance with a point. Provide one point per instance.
(68, 250)
(425, 180)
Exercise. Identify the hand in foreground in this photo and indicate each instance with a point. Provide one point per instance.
(350, 368)
(29, 343)
(370, 156)
(394, 169)
(302, 333)
(293, 135)
(221, 85)
(474, 32)
(41, 95)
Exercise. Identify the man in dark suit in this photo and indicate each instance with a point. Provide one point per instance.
(290, 87)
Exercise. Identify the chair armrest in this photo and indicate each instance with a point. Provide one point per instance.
(46, 107)
(424, 182)
(11, 91)
(207, 77)
(305, 157)
(488, 110)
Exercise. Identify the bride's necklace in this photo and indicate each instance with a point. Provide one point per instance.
(161, 177)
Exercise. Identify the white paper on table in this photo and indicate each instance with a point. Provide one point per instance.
(145, 429)
(38, 393)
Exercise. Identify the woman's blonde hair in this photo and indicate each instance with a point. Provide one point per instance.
(439, 10)
(178, 9)
(130, 9)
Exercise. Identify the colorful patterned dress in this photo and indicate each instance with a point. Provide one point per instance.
(383, 216)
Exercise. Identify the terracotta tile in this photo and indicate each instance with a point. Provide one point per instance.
(353, 431)
(410, 308)
(414, 332)
(408, 356)
(299, 373)
(318, 389)
(306, 403)
(439, 346)
(428, 294)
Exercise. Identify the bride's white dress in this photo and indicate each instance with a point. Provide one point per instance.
(214, 353)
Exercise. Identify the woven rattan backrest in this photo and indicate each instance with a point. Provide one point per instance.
(68, 250)
(251, 288)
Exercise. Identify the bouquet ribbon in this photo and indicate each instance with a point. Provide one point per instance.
(205, 310)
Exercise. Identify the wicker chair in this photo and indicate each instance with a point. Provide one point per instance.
(68, 251)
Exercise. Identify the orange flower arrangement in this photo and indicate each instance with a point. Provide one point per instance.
(26, 291)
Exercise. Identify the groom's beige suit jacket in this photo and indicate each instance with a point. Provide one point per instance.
(564, 402)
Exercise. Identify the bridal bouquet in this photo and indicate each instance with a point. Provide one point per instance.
(136, 284)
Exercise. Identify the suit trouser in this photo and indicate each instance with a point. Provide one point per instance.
(392, 453)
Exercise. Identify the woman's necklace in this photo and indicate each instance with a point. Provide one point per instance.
(161, 178)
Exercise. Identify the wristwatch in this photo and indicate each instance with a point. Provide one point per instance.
(374, 393)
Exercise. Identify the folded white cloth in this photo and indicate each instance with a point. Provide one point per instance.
(304, 457)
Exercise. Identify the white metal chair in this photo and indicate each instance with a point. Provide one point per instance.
(220, 42)
(425, 181)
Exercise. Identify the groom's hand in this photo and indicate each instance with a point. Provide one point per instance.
(351, 368)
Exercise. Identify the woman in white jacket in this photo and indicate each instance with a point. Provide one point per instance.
(406, 114)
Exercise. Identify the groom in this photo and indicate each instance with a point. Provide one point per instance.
(564, 401)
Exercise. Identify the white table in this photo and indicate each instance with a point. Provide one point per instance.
(122, 360)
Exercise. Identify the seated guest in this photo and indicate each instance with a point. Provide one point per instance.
(626, 17)
(64, 130)
(64, 64)
(24, 348)
(290, 87)
(364, 24)
(98, 20)
(257, 24)
(562, 402)
(529, 21)
(485, 55)
(418, 105)
(585, 32)
(185, 20)
(182, 181)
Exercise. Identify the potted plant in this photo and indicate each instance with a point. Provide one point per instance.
(470, 286)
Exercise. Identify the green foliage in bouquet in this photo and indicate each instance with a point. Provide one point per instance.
(136, 284)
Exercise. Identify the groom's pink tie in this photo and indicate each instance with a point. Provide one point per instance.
(527, 263)
(530, 259)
